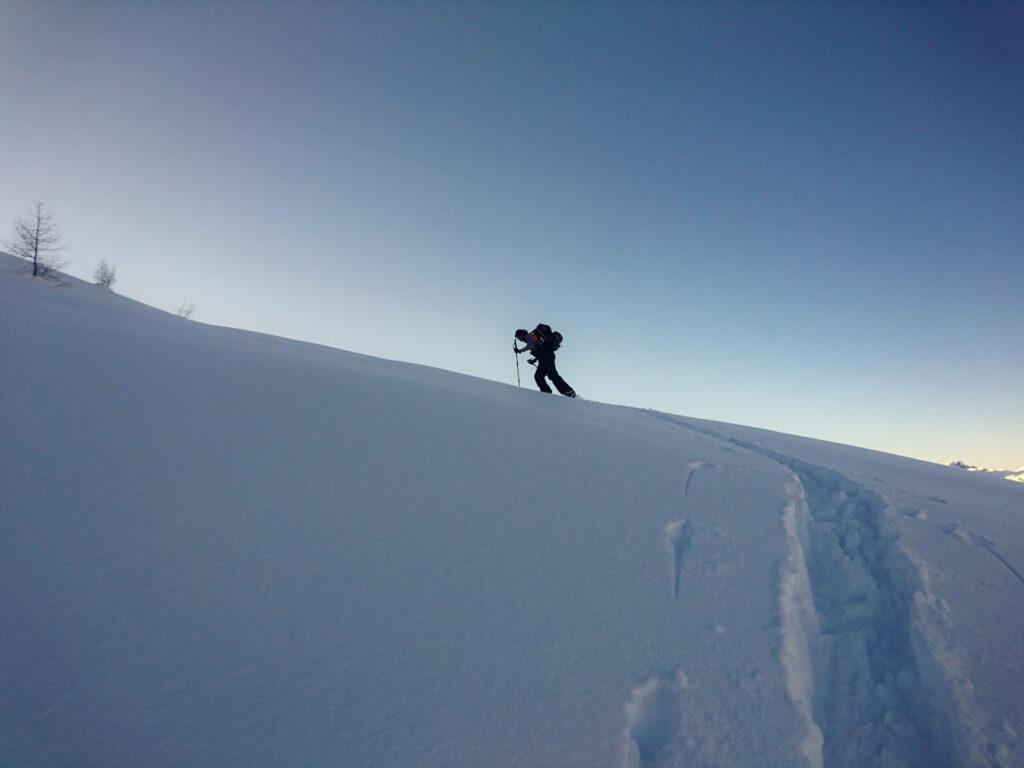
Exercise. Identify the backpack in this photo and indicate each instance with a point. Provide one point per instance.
(548, 340)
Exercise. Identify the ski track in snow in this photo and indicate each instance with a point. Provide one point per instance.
(799, 623)
(982, 543)
(864, 673)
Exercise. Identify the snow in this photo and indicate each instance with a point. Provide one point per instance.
(225, 548)
(1016, 475)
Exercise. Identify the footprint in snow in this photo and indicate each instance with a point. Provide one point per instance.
(653, 715)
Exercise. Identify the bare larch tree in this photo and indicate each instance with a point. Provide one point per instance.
(37, 239)
(105, 274)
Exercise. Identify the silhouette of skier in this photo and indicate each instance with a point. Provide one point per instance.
(542, 343)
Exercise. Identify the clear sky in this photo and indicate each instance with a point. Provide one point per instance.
(802, 216)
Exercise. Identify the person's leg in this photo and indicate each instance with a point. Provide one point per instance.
(559, 382)
(539, 378)
(551, 372)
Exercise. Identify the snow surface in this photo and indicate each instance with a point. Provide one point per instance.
(1016, 475)
(221, 548)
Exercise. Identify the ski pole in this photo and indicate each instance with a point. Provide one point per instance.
(518, 382)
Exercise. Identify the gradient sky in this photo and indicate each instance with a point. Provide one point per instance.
(802, 216)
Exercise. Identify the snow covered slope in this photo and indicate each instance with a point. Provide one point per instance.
(1014, 475)
(220, 548)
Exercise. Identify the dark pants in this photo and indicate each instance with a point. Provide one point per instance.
(546, 369)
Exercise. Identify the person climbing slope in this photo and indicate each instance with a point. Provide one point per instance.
(542, 343)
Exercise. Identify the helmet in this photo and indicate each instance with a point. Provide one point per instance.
(521, 334)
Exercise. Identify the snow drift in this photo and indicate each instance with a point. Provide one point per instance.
(224, 548)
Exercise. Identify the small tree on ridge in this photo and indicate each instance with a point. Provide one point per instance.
(105, 274)
(37, 239)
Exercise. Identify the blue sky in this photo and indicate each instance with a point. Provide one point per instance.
(801, 216)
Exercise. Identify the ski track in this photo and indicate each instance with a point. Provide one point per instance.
(866, 676)
(799, 624)
(982, 543)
